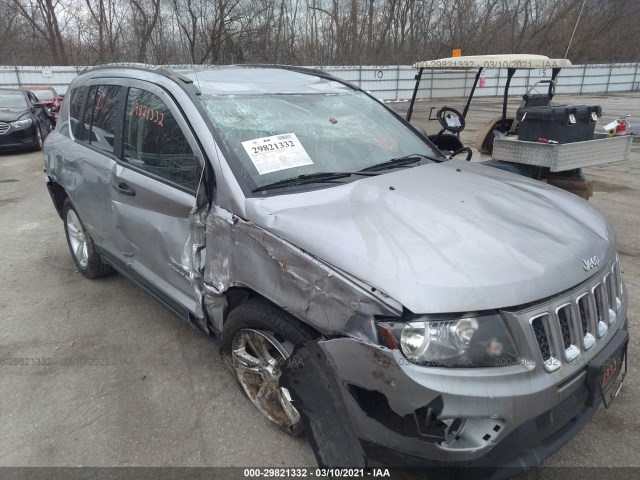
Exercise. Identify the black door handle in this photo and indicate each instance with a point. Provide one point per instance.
(123, 188)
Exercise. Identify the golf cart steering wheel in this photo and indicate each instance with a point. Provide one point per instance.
(451, 119)
(463, 149)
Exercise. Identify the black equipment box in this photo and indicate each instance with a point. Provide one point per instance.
(559, 123)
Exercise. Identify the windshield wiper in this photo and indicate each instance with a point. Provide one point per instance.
(306, 178)
(401, 161)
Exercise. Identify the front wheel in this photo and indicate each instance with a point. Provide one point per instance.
(257, 340)
(81, 246)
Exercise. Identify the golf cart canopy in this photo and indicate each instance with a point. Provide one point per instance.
(511, 62)
(515, 61)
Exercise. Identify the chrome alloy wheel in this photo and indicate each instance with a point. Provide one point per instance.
(76, 238)
(257, 357)
(39, 138)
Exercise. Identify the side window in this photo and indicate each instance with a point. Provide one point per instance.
(75, 103)
(86, 116)
(153, 140)
(104, 118)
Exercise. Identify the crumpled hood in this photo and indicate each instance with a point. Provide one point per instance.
(448, 237)
(12, 114)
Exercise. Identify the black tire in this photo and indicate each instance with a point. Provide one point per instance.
(486, 146)
(94, 267)
(39, 139)
(260, 314)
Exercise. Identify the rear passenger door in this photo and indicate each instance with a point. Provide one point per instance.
(95, 118)
(154, 188)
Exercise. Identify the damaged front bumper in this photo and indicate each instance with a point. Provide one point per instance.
(361, 401)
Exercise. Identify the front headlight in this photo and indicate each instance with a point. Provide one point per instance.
(21, 123)
(464, 342)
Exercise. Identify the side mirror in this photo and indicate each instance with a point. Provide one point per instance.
(39, 105)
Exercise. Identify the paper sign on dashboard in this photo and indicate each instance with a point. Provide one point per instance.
(279, 152)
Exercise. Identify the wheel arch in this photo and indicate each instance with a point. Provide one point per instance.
(240, 295)
(241, 254)
(58, 195)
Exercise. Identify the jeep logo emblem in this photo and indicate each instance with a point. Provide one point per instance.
(590, 263)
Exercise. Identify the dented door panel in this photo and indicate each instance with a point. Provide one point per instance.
(151, 232)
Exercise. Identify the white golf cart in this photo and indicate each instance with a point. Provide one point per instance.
(557, 156)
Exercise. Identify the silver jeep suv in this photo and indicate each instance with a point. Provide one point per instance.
(392, 303)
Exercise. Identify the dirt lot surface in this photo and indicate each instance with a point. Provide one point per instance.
(112, 379)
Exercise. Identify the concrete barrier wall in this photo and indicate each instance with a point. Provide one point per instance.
(396, 82)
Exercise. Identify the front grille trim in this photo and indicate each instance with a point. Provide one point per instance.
(618, 278)
(600, 302)
(586, 320)
(545, 339)
(576, 321)
(4, 128)
(565, 319)
(611, 293)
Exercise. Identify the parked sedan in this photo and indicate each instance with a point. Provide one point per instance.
(23, 120)
(51, 99)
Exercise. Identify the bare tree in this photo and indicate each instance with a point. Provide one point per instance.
(311, 31)
(42, 15)
(107, 18)
(144, 18)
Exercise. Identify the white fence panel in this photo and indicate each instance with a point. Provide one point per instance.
(380, 80)
(57, 77)
(396, 82)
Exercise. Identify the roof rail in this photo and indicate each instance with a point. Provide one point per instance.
(164, 70)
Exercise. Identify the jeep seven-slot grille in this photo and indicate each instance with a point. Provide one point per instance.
(574, 326)
(4, 127)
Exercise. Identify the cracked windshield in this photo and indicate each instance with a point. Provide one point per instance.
(280, 136)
